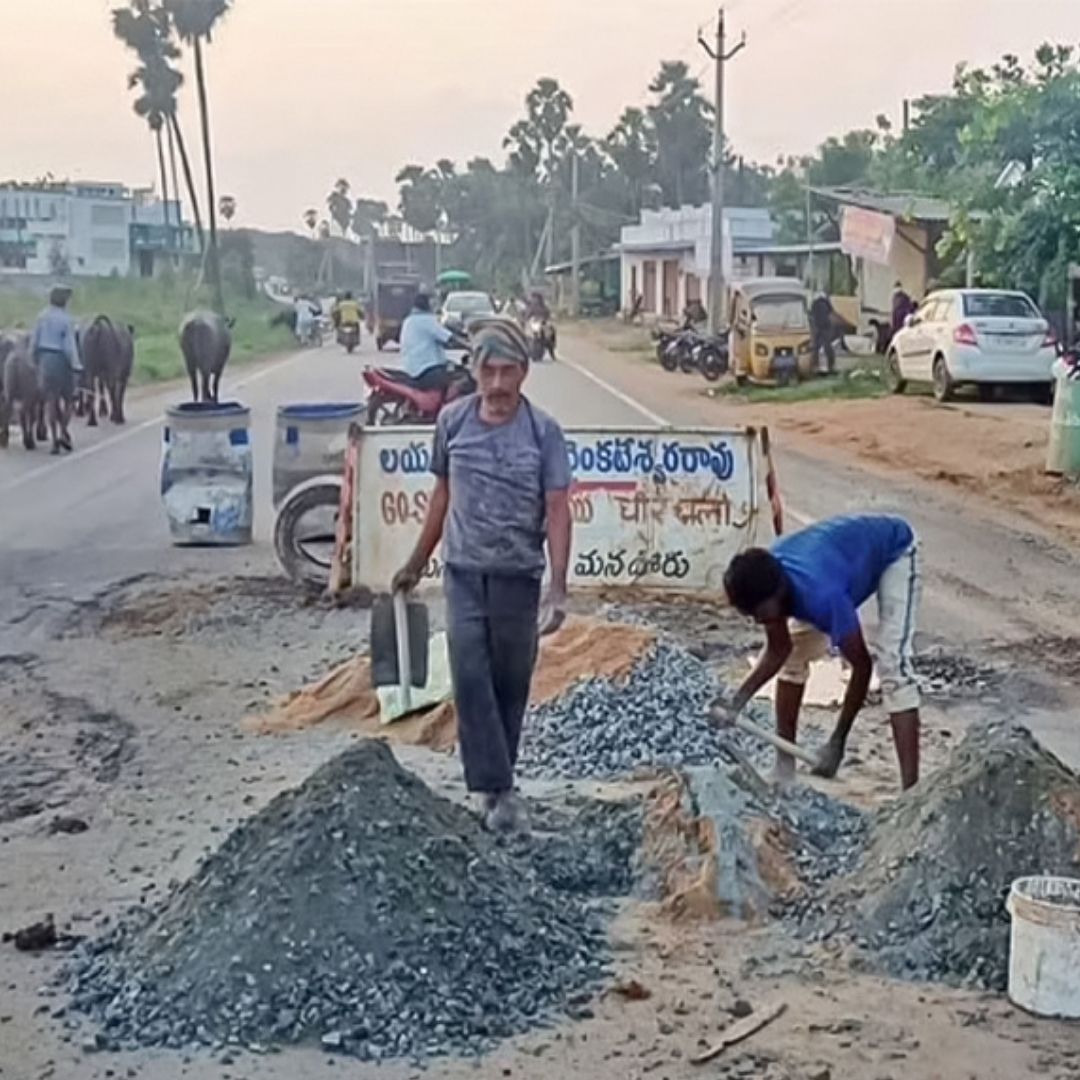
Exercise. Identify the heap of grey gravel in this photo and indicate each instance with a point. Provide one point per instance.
(927, 900)
(361, 911)
(657, 716)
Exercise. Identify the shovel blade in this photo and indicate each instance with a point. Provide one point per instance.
(384, 651)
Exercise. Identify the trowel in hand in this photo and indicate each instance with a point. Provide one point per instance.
(399, 648)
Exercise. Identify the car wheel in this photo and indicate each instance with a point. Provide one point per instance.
(895, 382)
(944, 387)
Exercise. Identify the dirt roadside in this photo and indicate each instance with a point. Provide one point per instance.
(989, 458)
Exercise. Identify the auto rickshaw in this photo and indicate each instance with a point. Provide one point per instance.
(770, 331)
(393, 302)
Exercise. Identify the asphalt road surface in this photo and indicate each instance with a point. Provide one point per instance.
(74, 524)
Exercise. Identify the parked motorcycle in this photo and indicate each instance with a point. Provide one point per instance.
(348, 337)
(673, 349)
(710, 356)
(540, 334)
(395, 399)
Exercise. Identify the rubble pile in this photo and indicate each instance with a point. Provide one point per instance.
(360, 911)
(929, 897)
(656, 716)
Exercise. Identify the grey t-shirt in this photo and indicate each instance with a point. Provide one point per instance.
(499, 477)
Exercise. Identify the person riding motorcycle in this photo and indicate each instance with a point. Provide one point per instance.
(423, 346)
(537, 308)
(543, 336)
(347, 312)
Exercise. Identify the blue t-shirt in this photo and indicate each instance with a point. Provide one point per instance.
(835, 566)
(422, 341)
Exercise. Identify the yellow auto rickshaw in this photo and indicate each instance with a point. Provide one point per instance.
(770, 331)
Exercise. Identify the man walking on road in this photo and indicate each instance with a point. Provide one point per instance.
(806, 592)
(55, 351)
(502, 479)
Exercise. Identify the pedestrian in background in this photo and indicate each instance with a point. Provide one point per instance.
(55, 351)
(502, 480)
(821, 332)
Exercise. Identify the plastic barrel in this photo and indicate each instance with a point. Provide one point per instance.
(311, 441)
(1063, 453)
(207, 473)
(1044, 956)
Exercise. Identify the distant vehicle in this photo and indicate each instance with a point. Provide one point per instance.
(979, 337)
(393, 302)
(461, 308)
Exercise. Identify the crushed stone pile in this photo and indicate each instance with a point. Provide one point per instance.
(657, 715)
(929, 897)
(361, 911)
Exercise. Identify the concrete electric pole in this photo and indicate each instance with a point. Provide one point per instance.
(717, 287)
(575, 241)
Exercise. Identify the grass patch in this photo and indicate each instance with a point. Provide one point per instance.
(861, 383)
(155, 308)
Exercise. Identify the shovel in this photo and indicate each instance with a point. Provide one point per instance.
(399, 644)
(780, 744)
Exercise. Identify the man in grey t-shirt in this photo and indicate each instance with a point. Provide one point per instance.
(502, 479)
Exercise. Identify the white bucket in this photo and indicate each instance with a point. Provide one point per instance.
(1044, 959)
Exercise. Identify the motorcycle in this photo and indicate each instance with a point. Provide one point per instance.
(395, 399)
(674, 348)
(710, 357)
(348, 337)
(540, 335)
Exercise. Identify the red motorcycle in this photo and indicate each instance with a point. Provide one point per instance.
(394, 398)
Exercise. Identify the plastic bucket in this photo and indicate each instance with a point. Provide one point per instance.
(1044, 957)
(311, 441)
(207, 473)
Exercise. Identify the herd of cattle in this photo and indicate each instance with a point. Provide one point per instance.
(107, 352)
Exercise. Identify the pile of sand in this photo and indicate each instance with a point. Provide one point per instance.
(583, 648)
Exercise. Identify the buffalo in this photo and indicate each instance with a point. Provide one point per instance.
(108, 356)
(206, 341)
(20, 385)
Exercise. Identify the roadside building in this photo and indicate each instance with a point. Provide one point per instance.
(888, 238)
(665, 258)
(87, 229)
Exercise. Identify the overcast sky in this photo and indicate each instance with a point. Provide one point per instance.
(304, 91)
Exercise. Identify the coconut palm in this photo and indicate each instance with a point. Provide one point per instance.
(195, 21)
(311, 220)
(227, 207)
(339, 205)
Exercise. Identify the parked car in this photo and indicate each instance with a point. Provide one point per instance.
(460, 308)
(980, 337)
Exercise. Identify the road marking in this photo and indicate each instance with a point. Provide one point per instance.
(789, 511)
(130, 433)
(615, 392)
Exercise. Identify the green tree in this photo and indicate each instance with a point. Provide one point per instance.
(145, 27)
(227, 207)
(631, 147)
(549, 107)
(681, 118)
(368, 215)
(195, 22)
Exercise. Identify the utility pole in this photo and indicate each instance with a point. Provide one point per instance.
(575, 241)
(717, 287)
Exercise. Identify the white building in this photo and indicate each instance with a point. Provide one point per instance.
(85, 229)
(666, 257)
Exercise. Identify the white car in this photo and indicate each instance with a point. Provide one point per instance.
(980, 337)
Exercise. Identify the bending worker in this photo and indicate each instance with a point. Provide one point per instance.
(806, 592)
(502, 479)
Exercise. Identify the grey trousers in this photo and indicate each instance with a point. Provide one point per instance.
(492, 635)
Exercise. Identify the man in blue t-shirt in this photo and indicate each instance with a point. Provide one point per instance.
(806, 592)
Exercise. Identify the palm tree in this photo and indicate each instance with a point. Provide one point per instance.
(227, 207)
(549, 106)
(195, 22)
(311, 220)
(339, 205)
(145, 29)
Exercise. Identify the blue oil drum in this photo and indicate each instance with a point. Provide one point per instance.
(207, 473)
(311, 441)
